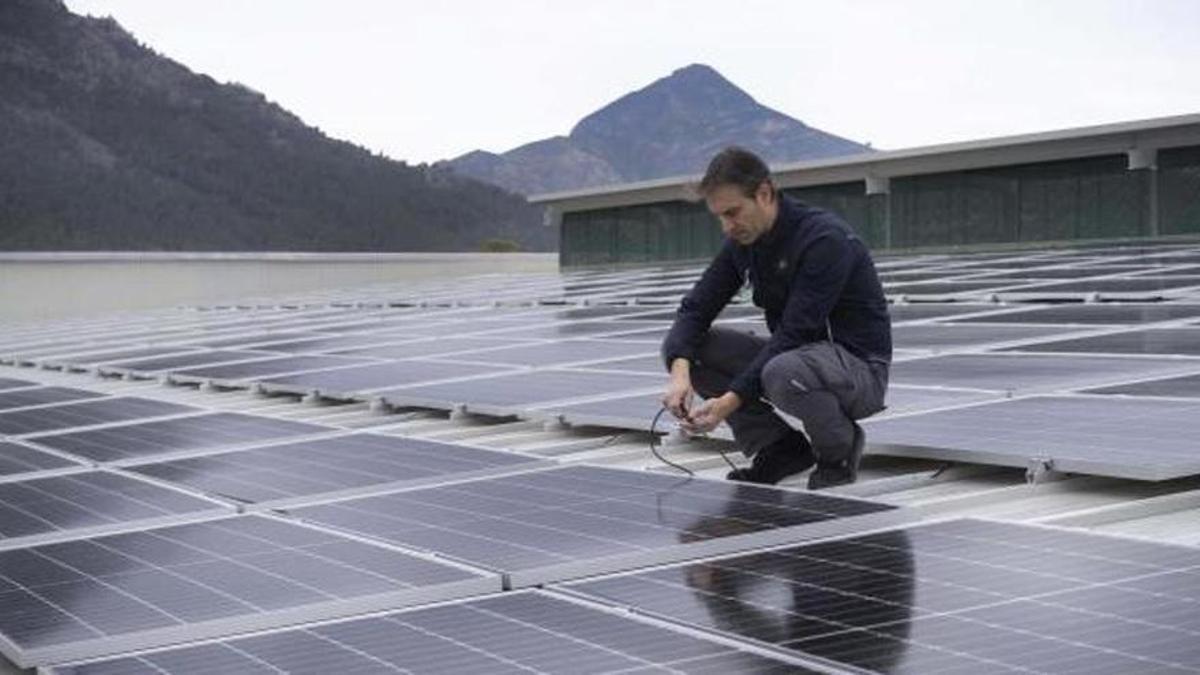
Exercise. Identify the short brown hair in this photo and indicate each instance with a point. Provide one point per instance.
(735, 166)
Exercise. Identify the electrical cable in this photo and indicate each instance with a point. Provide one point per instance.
(655, 442)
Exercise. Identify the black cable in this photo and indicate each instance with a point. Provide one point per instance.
(655, 442)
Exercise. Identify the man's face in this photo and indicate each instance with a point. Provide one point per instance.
(743, 219)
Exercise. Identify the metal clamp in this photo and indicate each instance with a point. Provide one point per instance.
(1038, 470)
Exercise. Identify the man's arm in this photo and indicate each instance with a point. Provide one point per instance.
(720, 281)
(712, 291)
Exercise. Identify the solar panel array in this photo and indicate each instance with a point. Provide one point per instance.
(143, 535)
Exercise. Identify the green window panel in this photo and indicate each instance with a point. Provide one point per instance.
(1179, 190)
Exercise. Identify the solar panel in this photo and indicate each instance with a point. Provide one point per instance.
(97, 596)
(329, 344)
(933, 310)
(36, 508)
(249, 370)
(340, 463)
(74, 358)
(572, 521)
(1132, 285)
(1096, 313)
(348, 381)
(1027, 372)
(632, 411)
(558, 331)
(11, 383)
(650, 365)
(431, 347)
(505, 393)
(18, 459)
(556, 353)
(181, 361)
(523, 632)
(1182, 341)
(1149, 439)
(43, 395)
(945, 288)
(950, 336)
(1187, 386)
(959, 596)
(86, 413)
(199, 432)
(257, 338)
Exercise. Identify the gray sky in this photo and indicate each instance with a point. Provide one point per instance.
(422, 81)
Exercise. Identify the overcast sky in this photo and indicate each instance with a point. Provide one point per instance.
(422, 81)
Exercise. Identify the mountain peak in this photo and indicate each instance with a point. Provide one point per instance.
(670, 127)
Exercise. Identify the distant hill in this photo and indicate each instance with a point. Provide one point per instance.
(106, 145)
(670, 128)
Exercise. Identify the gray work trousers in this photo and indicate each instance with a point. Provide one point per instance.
(821, 384)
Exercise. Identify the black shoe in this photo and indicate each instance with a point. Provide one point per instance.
(844, 472)
(777, 461)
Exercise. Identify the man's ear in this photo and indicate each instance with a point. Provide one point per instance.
(765, 192)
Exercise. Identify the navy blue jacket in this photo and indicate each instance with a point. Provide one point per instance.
(808, 268)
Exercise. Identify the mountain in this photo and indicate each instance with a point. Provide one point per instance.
(670, 128)
(105, 144)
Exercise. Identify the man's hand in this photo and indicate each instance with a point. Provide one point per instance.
(708, 415)
(679, 394)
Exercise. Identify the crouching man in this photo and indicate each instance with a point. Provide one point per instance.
(826, 361)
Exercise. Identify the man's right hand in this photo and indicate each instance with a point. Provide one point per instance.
(679, 394)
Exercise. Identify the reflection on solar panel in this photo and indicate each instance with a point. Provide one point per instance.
(520, 389)
(525, 632)
(306, 468)
(961, 596)
(86, 413)
(578, 520)
(42, 396)
(1183, 341)
(355, 379)
(1150, 439)
(85, 501)
(89, 597)
(147, 439)
(16, 459)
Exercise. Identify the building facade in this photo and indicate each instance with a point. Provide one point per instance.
(1131, 180)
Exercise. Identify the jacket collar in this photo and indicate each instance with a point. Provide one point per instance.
(785, 222)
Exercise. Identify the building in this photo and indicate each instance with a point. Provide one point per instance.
(1131, 180)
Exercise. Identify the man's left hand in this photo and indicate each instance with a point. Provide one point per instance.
(709, 414)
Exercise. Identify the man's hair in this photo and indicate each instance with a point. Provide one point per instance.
(735, 166)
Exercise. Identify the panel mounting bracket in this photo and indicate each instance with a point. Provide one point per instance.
(1038, 470)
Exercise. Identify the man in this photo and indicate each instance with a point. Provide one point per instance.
(826, 362)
